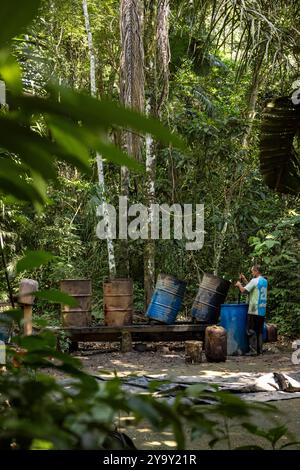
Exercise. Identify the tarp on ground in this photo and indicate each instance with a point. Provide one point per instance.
(248, 386)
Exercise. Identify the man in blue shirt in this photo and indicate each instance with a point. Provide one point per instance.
(257, 290)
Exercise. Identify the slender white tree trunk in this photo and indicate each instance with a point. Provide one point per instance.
(100, 169)
(149, 248)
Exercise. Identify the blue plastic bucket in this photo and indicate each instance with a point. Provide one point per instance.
(166, 299)
(234, 320)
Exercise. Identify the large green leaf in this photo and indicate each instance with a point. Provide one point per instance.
(78, 124)
(279, 161)
(20, 190)
(14, 179)
(10, 71)
(97, 114)
(36, 151)
(57, 297)
(76, 140)
(67, 135)
(15, 15)
(111, 152)
(34, 259)
(106, 113)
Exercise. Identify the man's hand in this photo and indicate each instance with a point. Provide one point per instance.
(240, 286)
(243, 278)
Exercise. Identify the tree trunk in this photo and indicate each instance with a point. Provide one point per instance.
(131, 90)
(158, 79)
(132, 65)
(253, 94)
(219, 246)
(149, 247)
(99, 161)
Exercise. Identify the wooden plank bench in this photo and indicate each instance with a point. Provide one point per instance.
(138, 332)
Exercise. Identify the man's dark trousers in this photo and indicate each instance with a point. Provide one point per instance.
(255, 325)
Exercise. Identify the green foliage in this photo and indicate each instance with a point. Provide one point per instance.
(33, 259)
(47, 136)
(72, 141)
(277, 248)
(56, 296)
(207, 104)
(80, 412)
(28, 158)
(16, 16)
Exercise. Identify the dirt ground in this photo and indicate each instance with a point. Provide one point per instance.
(169, 359)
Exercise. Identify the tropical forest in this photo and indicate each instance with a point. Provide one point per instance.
(149, 225)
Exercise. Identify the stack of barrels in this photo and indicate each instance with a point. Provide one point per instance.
(167, 299)
(206, 310)
(117, 302)
(163, 307)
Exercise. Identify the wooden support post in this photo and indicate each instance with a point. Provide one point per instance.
(26, 300)
(27, 311)
(193, 352)
(126, 342)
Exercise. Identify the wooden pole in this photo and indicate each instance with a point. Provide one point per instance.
(26, 299)
(27, 310)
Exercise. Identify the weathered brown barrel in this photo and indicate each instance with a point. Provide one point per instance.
(81, 290)
(118, 302)
(211, 294)
(215, 343)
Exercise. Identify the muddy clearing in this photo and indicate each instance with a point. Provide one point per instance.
(169, 359)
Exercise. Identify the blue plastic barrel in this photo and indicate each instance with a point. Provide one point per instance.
(166, 299)
(234, 320)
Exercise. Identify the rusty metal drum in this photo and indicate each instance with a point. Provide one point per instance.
(118, 301)
(211, 294)
(271, 333)
(81, 290)
(215, 344)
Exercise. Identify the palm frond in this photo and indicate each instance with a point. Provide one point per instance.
(279, 161)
